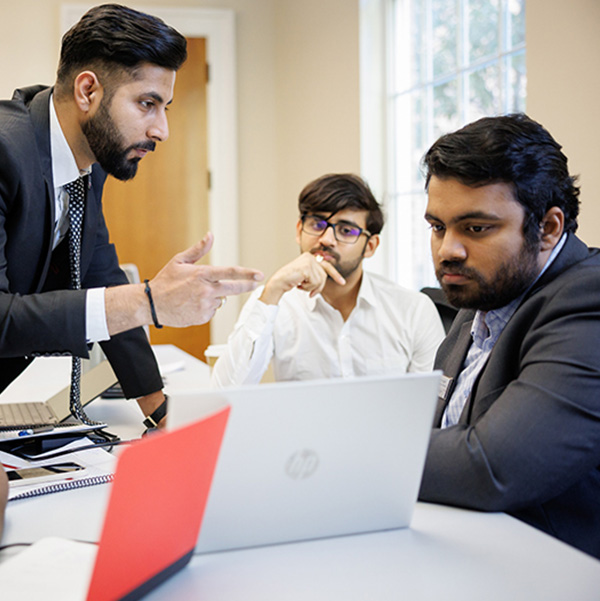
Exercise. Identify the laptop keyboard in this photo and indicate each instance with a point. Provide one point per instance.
(21, 415)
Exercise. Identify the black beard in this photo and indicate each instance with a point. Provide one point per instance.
(511, 279)
(106, 142)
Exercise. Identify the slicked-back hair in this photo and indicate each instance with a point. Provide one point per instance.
(512, 149)
(336, 192)
(115, 39)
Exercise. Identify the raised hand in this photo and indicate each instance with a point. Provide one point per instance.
(308, 272)
(184, 293)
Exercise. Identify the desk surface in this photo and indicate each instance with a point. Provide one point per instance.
(446, 552)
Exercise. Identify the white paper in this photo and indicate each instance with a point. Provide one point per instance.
(53, 569)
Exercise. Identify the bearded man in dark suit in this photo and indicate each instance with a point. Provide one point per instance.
(106, 111)
(517, 427)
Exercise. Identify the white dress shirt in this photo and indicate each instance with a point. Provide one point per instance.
(65, 170)
(390, 330)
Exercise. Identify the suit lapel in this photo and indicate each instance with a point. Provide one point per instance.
(40, 119)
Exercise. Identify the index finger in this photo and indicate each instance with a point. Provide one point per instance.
(217, 274)
(333, 273)
(232, 287)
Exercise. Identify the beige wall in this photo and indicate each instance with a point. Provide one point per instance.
(563, 91)
(298, 105)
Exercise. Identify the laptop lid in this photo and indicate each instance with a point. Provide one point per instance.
(155, 508)
(312, 459)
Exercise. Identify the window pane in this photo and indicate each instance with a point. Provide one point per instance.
(419, 39)
(421, 254)
(456, 61)
(445, 108)
(420, 138)
(445, 37)
(410, 139)
(410, 45)
(483, 19)
(407, 61)
(516, 10)
(411, 248)
(517, 82)
(484, 92)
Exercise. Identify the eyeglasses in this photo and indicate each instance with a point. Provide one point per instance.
(344, 231)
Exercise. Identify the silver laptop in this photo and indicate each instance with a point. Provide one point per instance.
(56, 409)
(314, 459)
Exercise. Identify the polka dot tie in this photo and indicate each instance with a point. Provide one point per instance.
(76, 192)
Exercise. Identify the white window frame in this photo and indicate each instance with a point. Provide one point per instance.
(395, 258)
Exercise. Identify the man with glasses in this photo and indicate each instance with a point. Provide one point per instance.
(321, 315)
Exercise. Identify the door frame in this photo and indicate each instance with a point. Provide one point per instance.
(218, 27)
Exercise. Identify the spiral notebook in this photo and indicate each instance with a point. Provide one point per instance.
(98, 469)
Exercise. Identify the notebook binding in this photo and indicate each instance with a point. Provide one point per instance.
(62, 486)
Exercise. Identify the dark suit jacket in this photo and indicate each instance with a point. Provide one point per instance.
(528, 439)
(33, 322)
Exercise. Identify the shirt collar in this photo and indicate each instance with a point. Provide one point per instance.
(64, 167)
(488, 325)
(366, 294)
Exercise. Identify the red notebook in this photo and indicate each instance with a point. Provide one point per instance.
(155, 509)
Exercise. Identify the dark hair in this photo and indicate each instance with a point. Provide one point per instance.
(117, 38)
(513, 149)
(338, 191)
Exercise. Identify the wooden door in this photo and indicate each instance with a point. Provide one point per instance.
(164, 209)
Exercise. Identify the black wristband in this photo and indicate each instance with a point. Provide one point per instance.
(152, 420)
(152, 309)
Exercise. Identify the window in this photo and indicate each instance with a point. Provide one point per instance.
(447, 63)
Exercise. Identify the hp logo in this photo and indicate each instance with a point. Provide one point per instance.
(302, 464)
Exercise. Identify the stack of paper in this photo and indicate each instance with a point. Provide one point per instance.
(98, 467)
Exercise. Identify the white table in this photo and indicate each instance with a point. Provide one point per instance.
(447, 553)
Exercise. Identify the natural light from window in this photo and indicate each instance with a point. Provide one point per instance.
(450, 62)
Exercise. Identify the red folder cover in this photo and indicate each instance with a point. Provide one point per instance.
(155, 509)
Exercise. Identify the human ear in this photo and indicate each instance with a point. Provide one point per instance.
(298, 231)
(371, 247)
(87, 91)
(551, 228)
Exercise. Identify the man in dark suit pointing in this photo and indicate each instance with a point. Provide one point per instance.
(106, 111)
